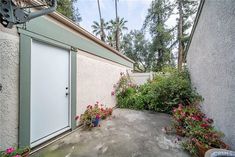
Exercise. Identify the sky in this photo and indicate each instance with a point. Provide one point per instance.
(134, 11)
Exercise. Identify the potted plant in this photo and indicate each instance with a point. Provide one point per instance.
(194, 124)
(96, 120)
(12, 152)
(93, 114)
(208, 141)
(90, 117)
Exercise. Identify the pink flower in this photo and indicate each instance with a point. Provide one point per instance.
(10, 150)
(97, 116)
(112, 93)
(17, 156)
(194, 139)
(180, 106)
(208, 120)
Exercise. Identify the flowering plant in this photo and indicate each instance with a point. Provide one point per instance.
(123, 84)
(105, 112)
(197, 127)
(12, 152)
(93, 114)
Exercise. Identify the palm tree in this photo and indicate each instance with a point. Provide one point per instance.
(102, 33)
(98, 29)
(120, 26)
(111, 39)
(117, 27)
(113, 28)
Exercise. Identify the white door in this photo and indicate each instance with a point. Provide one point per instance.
(49, 92)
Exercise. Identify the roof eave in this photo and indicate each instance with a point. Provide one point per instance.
(194, 26)
(63, 19)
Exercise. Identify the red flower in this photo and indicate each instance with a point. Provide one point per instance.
(77, 117)
(196, 118)
(204, 125)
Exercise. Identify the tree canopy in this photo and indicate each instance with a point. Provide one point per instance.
(67, 8)
(162, 36)
(135, 46)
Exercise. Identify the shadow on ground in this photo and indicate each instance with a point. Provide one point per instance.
(128, 133)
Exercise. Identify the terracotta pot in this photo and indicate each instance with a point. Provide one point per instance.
(202, 149)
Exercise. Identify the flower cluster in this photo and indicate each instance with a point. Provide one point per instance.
(123, 84)
(93, 114)
(191, 122)
(12, 152)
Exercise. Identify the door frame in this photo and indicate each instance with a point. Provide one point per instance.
(25, 67)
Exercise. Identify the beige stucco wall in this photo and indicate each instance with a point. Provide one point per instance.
(95, 80)
(9, 78)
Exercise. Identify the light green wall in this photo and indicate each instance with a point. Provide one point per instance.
(24, 115)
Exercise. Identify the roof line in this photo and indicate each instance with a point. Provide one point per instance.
(68, 22)
(194, 26)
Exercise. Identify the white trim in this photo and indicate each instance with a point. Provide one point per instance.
(49, 137)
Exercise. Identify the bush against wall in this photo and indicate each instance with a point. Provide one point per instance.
(162, 94)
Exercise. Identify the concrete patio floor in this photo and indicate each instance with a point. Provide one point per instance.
(128, 133)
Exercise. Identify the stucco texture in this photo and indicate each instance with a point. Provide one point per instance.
(9, 78)
(95, 80)
(211, 62)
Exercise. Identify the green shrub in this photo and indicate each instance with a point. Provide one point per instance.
(162, 94)
(167, 92)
